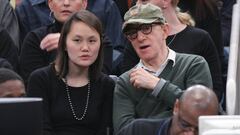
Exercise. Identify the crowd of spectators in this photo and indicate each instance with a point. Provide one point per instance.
(106, 67)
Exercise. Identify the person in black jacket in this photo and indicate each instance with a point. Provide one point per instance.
(77, 97)
(8, 50)
(39, 46)
(197, 100)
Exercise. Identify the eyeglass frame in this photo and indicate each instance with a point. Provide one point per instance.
(132, 34)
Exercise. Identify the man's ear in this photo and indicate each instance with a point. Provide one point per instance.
(176, 107)
(165, 28)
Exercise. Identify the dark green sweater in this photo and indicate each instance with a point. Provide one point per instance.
(131, 103)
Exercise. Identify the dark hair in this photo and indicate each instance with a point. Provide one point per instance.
(7, 74)
(62, 58)
(200, 9)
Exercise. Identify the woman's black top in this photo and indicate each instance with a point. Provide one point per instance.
(58, 118)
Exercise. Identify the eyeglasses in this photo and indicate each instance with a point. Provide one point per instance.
(144, 28)
(186, 126)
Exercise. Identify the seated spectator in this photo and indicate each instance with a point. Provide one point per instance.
(196, 101)
(77, 97)
(8, 20)
(150, 89)
(206, 15)
(39, 46)
(183, 38)
(11, 84)
(8, 50)
(33, 14)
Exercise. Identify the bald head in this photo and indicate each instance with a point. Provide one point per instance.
(200, 98)
(196, 101)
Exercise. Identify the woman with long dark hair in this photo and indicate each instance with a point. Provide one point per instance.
(77, 97)
(40, 45)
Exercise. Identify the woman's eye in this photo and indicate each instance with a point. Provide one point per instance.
(76, 40)
(92, 41)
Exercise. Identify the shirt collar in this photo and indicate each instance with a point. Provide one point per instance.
(171, 57)
(37, 2)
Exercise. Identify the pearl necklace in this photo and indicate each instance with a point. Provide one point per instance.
(70, 101)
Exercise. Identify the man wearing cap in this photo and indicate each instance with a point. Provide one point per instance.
(150, 89)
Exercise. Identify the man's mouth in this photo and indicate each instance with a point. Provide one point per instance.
(144, 47)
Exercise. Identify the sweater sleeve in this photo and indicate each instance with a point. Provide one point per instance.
(38, 86)
(197, 72)
(123, 107)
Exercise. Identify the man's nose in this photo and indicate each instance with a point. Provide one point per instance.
(140, 36)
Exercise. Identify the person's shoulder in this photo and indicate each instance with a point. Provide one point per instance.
(196, 31)
(43, 71)
(188, 57)
(142, 126)
(38, 33)
(104, 78)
